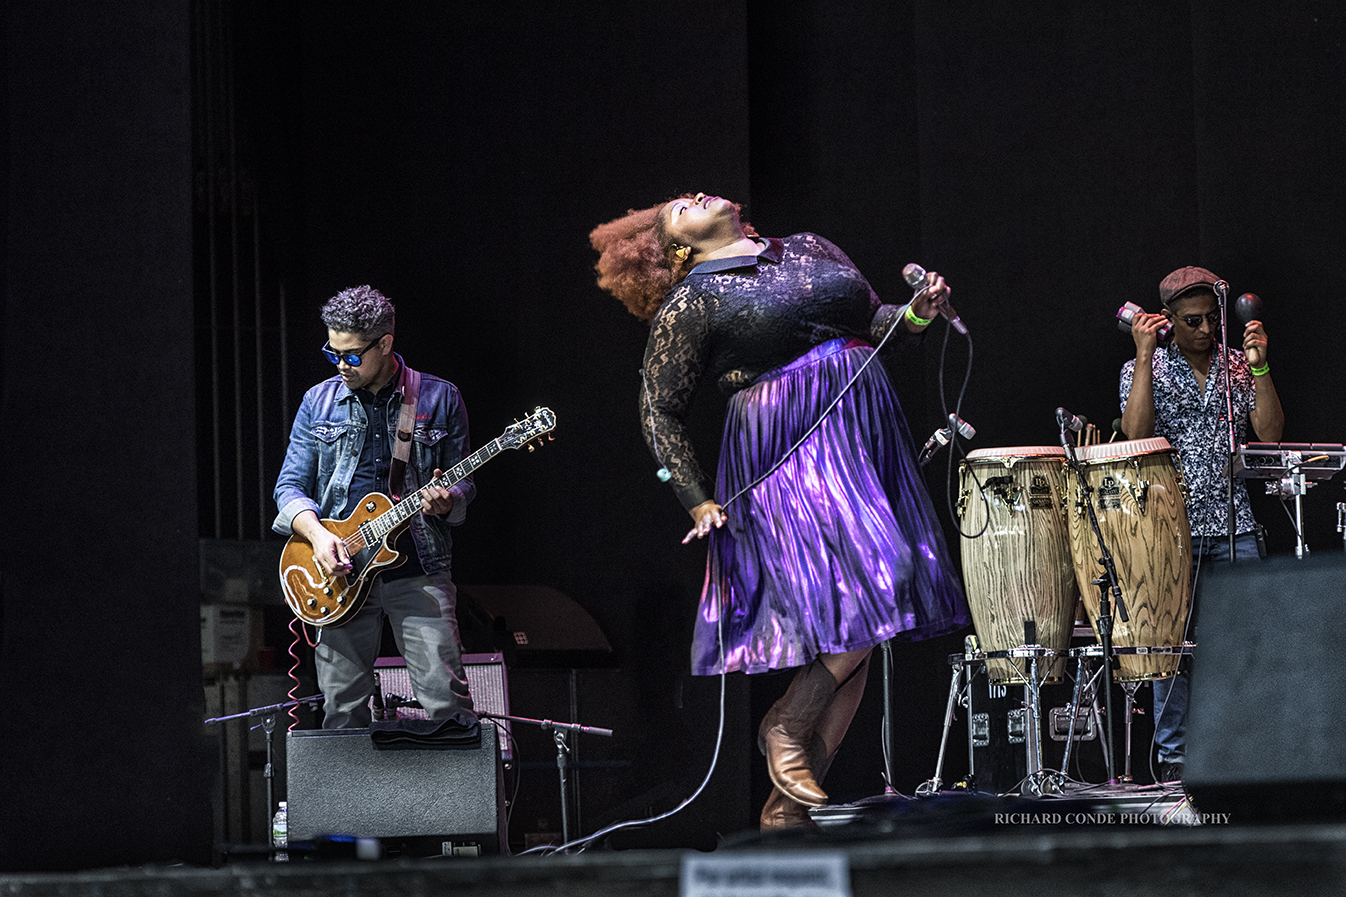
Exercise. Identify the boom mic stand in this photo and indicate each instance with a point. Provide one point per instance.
(268, 724)
(1107, 582)
(558, 734)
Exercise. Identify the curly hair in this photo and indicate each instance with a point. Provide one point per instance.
(363, 310)
(635, 258)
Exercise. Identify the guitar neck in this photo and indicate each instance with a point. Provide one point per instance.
(410, 505)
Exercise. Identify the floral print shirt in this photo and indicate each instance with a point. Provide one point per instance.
(1193, 422)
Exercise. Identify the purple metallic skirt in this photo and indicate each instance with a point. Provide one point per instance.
(837, 549)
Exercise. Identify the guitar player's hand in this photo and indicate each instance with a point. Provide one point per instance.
(329, 552)
(436, 499)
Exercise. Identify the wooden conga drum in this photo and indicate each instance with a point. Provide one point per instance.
(1142, 514)
(1016, 555)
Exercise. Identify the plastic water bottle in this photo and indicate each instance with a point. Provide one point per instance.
(280, 835)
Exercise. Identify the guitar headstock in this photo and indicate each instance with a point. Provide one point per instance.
(534, 426)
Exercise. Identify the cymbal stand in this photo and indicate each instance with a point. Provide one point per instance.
(558, 734)
(1108, 581)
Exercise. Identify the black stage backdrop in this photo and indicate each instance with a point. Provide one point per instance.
(1052, 160)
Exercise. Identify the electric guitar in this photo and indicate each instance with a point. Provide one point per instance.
(370, 531)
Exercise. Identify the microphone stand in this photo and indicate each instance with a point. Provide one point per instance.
(268, 724)
(1108, 581)
(558, 734)
(1222, 293)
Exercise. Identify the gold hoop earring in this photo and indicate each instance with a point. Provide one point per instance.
(682, 253)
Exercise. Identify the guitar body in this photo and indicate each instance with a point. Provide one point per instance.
(372, 530)
(322, 602)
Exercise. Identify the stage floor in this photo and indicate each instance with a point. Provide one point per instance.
(1107, 842)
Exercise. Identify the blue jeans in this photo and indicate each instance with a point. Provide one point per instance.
(1170, 695)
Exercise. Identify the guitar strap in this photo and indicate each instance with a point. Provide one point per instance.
(410, 384)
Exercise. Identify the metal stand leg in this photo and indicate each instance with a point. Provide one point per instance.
(1129, 689)
(1039, 781)
(1075, 699)
(931, 786)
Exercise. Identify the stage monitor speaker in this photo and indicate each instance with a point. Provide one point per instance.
(1266, 738)
(486, 680)
(338, 784)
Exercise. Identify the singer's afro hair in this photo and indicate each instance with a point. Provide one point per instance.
(635, 258)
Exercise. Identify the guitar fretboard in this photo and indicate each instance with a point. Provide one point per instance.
(373, 531)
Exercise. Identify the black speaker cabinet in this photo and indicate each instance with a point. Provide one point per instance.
(1265, 730)
(338, 784)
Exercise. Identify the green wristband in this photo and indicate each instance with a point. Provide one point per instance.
(916, 319)
(1262, 371)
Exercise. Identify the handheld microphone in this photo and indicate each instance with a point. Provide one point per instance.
(944, 435)
(918, 279)
(1248, 308)
(1068, 421)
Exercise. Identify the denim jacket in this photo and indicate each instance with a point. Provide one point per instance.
(325, 444)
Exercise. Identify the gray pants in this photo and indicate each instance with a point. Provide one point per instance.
(421, 611)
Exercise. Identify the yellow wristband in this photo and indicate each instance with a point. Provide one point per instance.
(1263, 370)
(916, 319)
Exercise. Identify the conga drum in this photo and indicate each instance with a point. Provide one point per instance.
(1016, 555)
(1142, 514)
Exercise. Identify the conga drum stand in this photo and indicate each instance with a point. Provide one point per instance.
(1128, 689)
(930, 787)
(1085, 686)
(1039, 781)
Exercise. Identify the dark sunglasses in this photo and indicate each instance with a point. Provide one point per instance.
(351, 358)
(1194, 321)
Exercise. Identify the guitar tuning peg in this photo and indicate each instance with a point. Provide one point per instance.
(530, 446)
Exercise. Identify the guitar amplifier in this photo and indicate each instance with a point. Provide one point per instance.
(485, 679)
(429, 801)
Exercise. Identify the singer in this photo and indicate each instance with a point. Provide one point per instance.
(1178, 393)
(838, 548)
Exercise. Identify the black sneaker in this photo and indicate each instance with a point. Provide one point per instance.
(1170, 771)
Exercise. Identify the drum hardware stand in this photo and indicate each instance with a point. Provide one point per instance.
(268, 724)
(1341, 521)
(1039, 781)
(931, 787)
(558, 734)
(1128, 689)
(1105, 582)
(1084, 690)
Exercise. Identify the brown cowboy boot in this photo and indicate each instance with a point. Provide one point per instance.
(780, 811)
(786, 734)
(831, 725)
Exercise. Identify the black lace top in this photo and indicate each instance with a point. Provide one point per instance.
(734, 319)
